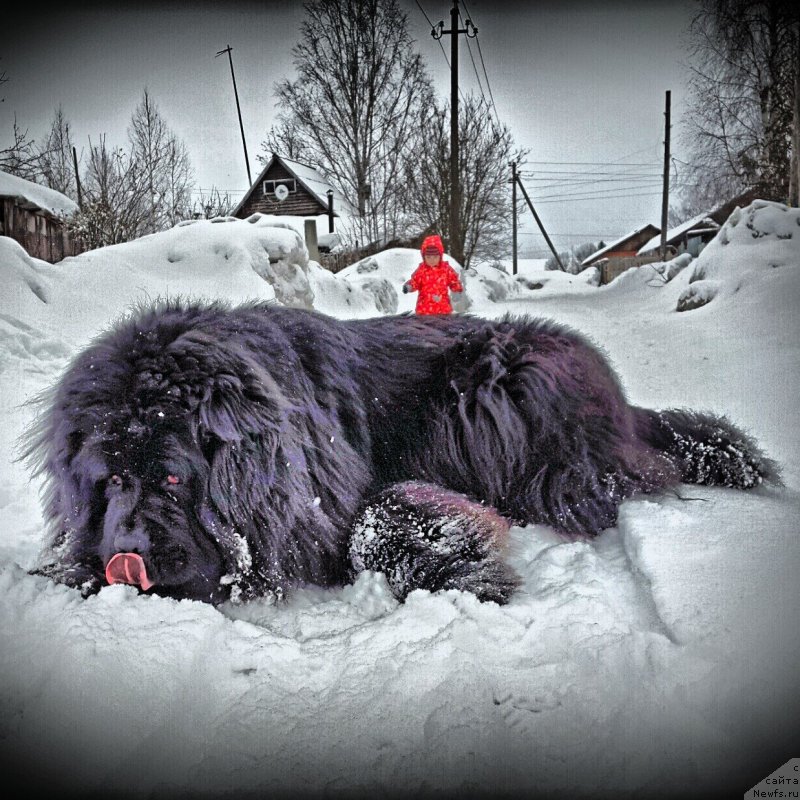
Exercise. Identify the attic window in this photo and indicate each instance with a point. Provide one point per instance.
(270, 186)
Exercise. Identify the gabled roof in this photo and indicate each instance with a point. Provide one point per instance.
(35, 197)
(311, 179)
(615, 245)
(702, 222)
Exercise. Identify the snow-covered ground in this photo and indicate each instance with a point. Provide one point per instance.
(660, 659)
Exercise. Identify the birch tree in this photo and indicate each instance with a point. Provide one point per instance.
(742, 66)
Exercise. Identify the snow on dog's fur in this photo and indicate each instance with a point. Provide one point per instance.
(208, 452)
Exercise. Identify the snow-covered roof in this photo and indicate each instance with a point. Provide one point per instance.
(32, 195)
(674, 234)
(613, 245)
(315, 182)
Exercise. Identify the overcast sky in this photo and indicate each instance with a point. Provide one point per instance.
(580, 84)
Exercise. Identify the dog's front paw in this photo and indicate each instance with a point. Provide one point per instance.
(422, 536)
(75, 576)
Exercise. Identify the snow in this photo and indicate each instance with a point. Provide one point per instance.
(40, 196)
(658, 660)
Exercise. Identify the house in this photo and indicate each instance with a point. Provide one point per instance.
(624, 247)
(34, 216)
(289, 188)
(721, 213)
(688, 237)
(622, 253)
(694, 234)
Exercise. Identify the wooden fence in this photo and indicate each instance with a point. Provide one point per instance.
(610, 268)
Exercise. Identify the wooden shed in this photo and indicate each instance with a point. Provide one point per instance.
(289, 188)
(622, 254)
(34, 216)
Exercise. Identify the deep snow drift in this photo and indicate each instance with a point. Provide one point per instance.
(659, 659)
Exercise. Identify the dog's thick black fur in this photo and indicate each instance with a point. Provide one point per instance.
(234, 452)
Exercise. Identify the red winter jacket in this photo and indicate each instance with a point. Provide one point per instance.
(434, 284)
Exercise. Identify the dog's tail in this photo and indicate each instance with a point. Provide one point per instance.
(707, 449)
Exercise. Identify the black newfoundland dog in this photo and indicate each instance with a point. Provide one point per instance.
(213, 453)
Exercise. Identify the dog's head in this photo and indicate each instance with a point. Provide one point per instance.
(175, 462)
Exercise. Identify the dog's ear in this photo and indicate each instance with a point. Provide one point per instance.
(241, 402)
(241, 425)
(232, 395)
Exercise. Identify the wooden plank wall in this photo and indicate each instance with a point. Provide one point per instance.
(42, 237)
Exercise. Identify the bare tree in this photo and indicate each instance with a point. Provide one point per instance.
(115, 207)
(163, 164)
(20, 157)
(177, 182)
(742, 67)
(285, 139)
(213, 204)
(355, 106)
(142, 190)
(485, 151)
(56, 165)
(573, 258)
(794, 177)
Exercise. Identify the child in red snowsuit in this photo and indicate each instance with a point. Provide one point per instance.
(434, 279)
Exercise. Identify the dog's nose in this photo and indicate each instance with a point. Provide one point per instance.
(135, 541)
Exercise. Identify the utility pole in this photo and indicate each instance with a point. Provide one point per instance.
(514, 216)
(77, 177)
(229, 50)
(330, 211)
(665, 193)
(456, 249)
(539, 223)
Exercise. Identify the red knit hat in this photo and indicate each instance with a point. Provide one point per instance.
(432, 246)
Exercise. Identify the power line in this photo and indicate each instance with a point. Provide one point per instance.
(475, 69)
(614, 163)
(600, 194)
(598, 163)
(573, 235)
(593, 187)
(488, 100)
(595, 199)
(573, 174)
(485, 73)
(221, 191)
(438, 41)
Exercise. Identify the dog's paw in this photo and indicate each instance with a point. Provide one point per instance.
(422, 536)
(488, 579)
(76, 577)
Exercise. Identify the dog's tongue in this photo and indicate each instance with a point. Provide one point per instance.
(128, 568)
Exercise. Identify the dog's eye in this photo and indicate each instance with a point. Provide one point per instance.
(115, 480)
(173, 480)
